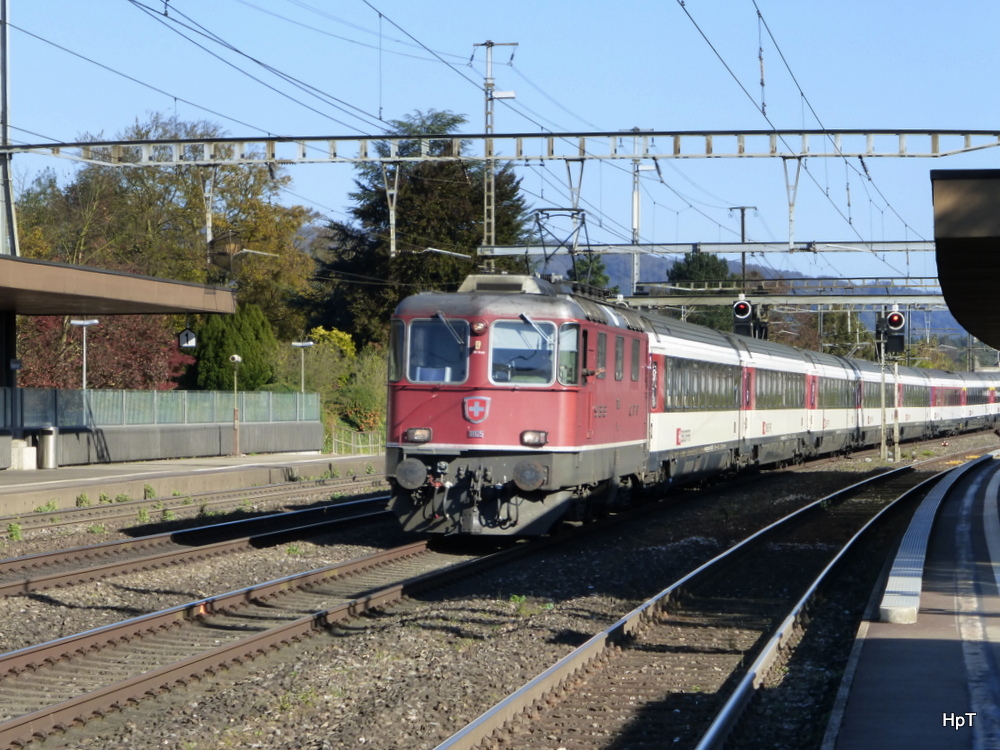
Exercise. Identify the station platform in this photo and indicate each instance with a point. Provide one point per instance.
(23, 491)
(933, 682)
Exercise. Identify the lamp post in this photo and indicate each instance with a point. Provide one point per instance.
(85, 324)
(236, 359)
(302, 346)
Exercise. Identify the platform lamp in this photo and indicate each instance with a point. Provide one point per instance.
(85, 324)
(302, 346)
(237, 360)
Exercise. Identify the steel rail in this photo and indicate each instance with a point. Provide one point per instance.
(186, 504)
(734, 707)
(23, 729)
(171, 548)
(582, 659)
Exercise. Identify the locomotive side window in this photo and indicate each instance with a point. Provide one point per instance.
(439, 350)
(636, 352)
(602, 355)
(523, 351)
(397, 336)
(569, 354)
(619, 357)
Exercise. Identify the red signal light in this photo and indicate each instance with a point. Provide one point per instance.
(742, 310)
(895, 321)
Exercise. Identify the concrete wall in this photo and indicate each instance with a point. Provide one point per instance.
(152, 442)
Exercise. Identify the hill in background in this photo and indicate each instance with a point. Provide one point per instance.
(654, 269)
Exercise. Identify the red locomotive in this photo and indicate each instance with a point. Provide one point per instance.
(519, 401)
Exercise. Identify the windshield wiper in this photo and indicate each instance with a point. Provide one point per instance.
(451, 328)
(533, 324)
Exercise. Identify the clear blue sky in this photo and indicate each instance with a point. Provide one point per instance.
(579, 66)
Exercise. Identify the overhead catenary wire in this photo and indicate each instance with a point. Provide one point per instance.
(815, 114)
(347, 39)
(369, 119)
(133, 79)
(764, 115)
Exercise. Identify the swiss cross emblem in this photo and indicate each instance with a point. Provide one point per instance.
(477, 408)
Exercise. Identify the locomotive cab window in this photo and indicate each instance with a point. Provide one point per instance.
(522, 351)
(397, 336)
(439, 350)
(569, 354)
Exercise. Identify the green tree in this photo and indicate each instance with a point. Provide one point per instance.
(843, 333)
(438, 205)
(363, 399)
(931, 353)
(246, 334)
(328, 364)
(153, 221)
(589, 268)
(710, 270)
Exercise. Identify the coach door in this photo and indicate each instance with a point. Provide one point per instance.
(812, 402)
(747, 401)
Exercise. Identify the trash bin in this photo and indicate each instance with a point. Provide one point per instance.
(47, 440)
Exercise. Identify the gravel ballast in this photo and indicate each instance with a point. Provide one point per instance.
(411, 676)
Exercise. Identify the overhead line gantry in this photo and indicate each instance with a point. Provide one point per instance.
(514, 147)
(493, 149)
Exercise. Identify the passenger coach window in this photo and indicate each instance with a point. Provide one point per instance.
(569, 354)
(397, 336)
(522, 351)
(439, 350)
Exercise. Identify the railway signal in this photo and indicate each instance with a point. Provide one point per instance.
(890, 333)
(743, 317)
(895, 327)
(749, 320)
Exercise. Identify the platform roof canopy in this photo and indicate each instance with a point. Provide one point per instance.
(31, 287)
(967, 238)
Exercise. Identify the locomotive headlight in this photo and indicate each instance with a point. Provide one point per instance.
(418, 435)
(478, 328)
(534, 437)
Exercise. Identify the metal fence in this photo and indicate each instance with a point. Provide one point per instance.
(349, 443)
(66, 408)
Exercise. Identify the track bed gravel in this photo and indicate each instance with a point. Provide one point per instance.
(411, 676)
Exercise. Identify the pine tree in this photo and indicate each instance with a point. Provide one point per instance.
(589, 268)
(246, 334)
(704, 267)
(438, 205)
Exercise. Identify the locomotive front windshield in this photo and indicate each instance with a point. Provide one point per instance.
(522, 351)
(439, 350)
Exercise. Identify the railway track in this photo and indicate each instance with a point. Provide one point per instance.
(636, 684)
(48, 570)
(67, 681)
(119, 511)
(391, 588)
